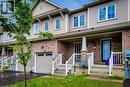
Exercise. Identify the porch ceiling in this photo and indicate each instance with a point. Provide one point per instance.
(93, 36)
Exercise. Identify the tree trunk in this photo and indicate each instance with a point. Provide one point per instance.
(25, 78)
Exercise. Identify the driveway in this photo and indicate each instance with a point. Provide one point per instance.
(12, 77)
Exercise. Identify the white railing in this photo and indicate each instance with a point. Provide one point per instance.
(56, 62)
(6, 61)
(115, 59)
(90, 57)
(70, 64)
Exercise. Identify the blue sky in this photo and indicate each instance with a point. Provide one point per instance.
(72, 4)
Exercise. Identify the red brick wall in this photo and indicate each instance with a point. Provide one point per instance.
(116, 44)
(70, 49)
(96, 51)
(62, 49)
(45, 46)
(125, 40)
(66, 49)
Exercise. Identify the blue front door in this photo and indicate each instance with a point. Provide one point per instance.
(106, 50)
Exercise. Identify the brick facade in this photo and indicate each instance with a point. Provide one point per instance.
(116, 44)
(67, 48)
(125, 40)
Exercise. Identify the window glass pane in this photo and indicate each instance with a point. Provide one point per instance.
(102, 14)
(4, 7)
(36, 28)
(111, 11)
(82, 20)
(46, 26)
(57, 23)
(75, 21)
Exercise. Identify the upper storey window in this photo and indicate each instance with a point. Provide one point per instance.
(79, 21)
(46, 26)
(58, 24)
(107, 13)
(76, 21)
(82, 19)
(36, 28)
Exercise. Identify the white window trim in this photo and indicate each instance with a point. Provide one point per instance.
(44, 26)
(128, 10)
(34, 32)
(79, 21)
(60, 23)
(107, 13)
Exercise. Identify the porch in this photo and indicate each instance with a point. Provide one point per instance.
(98, 53)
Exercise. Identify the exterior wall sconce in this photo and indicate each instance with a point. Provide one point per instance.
(94, 45)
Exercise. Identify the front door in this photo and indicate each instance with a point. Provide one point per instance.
(78, 47)
(106, 50)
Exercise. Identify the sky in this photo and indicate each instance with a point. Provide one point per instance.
(72, 4)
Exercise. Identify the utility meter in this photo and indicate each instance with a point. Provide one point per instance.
(127, 64)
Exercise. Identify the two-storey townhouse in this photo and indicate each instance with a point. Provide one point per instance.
(95, 35)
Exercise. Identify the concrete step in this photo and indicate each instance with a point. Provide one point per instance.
(100, 66)
(99, 70)
(58, 75)
(60, 71)
(99, 75)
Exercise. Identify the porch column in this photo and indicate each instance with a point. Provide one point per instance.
(84, 49)
(3, 50)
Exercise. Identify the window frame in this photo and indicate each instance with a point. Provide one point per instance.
(107, 19)
(34, 31)
(44, 25)
(60, 23)
(79, 21)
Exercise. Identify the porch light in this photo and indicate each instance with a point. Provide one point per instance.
(94, 45)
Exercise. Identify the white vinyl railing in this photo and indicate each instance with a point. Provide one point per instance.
(6, 61)
(56, 62)
(70, 64)
(90, 57)
(115, 59)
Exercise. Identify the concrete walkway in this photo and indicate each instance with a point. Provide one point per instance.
(11, 77)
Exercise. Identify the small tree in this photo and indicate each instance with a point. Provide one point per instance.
(18, 29)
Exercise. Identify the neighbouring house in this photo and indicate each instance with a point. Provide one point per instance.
(95, 35)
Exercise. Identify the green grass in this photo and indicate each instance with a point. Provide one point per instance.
(71, 81)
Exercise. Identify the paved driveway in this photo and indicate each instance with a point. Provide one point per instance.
(11, 77)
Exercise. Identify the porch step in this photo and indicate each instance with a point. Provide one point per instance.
(58, 75)
(60, 71)
(100, 70)
(100, 75)
(100, 66)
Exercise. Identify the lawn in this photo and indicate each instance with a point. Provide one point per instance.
(71, 81)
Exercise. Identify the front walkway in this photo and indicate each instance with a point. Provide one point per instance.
(11, 77)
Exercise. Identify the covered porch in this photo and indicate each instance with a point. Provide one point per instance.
(101, 49)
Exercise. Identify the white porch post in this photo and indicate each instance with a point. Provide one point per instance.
(84, 44)
(3, 50)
